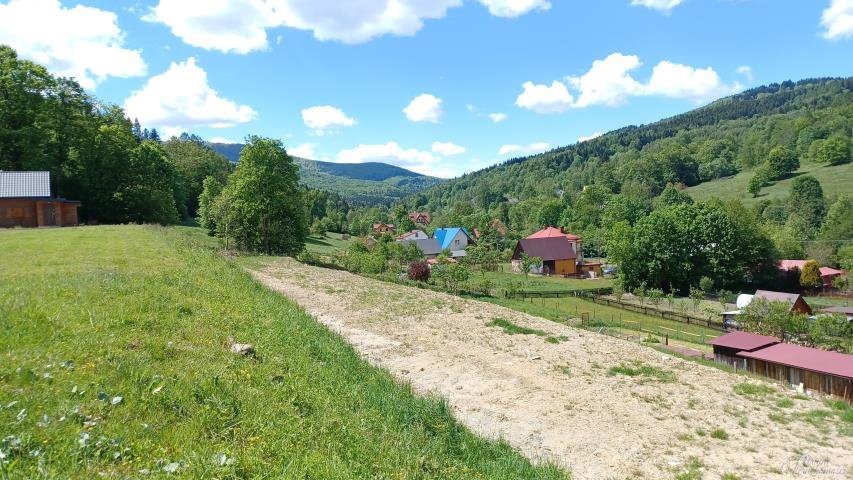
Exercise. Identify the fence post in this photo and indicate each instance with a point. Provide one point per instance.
(666, 339)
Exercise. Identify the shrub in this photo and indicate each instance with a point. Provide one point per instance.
(720, 434)
(419, 271)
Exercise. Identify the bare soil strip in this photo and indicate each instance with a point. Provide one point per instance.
(556, 401)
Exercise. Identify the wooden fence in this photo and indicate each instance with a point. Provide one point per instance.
(578, 292)
(677, 317)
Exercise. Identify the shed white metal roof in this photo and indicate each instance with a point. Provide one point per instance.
(24, 184)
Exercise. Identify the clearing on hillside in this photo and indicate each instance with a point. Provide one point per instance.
(600, 406)
(114, 364)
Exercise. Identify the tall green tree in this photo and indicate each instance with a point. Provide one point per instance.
(807, 201)
(195, 161)
(265, 202)
(781, 162)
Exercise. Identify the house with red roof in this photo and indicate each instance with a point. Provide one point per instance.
(560, 252)
(420, 218)
(827, 274)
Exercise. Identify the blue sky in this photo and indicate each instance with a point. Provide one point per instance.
(441, 86)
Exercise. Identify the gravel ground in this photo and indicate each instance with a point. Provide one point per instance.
(557, 401)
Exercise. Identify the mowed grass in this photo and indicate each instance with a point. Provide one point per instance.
(570, 309)
(834, 179)
(538, 283)
(114, 364)
(327, 245)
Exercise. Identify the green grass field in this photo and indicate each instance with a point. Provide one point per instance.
(569, 310)
(539, 283)
(834, 180)
(331, 243)
(114, 364)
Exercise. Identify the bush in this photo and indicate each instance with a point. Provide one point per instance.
(706, 284)
(419, 271)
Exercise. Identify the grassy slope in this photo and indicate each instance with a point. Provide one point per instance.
(834, 180)
(143, 313)
(327, 245)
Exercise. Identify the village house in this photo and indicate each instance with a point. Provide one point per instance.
(454, 239)
(26, 201)
(827, 274)
(429, 247)
(557, 254)
(381, 228)
(561, 250)
(796, 304)
(412, 235)
(420, 218)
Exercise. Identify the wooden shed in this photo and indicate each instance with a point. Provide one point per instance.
(818, 370)
(726, 347)
(26, 201)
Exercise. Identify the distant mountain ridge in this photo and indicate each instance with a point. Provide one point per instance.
(366, 183)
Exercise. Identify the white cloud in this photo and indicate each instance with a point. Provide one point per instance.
(391, 152)
(682, 81)
(746, 71)
(607, 82)
(181, 98)
(545, 99)
(447, 148)
(221, 140)
(424, 108)
(662, 5)
(304, 150)
(837, 18)
(81, 42)
(584, 138)
(514, 8)
(240, 26)
(497, 117)
(523, 149)
(237, 26)
(324, 118)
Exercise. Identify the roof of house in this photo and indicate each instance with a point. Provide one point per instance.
(428, 246)
(549, 248)
(24, 184)
(549, 232)
(821, 361)
(789, 298)
(788, 265)
(415, 215)
(743, 341)
(445, 236)
(411, 233)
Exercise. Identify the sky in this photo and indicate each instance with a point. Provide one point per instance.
(441, 87)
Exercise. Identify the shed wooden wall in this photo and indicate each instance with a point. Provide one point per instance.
(820, 382)
(16, 212)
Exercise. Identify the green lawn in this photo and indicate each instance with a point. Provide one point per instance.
(539, 283)
(569, 310)
(834, 180)
(327, 245)
(114, 365)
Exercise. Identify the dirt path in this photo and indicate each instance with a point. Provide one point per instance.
(556, 401)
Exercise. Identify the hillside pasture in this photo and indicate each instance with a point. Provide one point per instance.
(115, 364)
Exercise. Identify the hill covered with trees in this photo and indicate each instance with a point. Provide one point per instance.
(368, 183)
(627, 192)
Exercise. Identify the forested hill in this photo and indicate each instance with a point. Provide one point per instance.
(368, 183)
(718, 140)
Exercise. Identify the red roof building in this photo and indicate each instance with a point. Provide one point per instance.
(819, 370)
(796, 302)
(421, 218)
(728, 346)
(827, 274)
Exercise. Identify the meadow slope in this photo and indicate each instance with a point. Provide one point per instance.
(600, 406)
(114, 364)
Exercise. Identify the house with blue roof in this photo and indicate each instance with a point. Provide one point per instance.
(455, 239)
